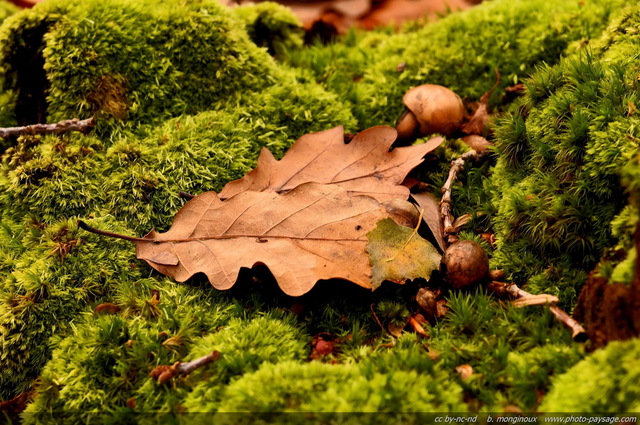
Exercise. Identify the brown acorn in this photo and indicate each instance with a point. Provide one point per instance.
(465, 263)
(430, 109)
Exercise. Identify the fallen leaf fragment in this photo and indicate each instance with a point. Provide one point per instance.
(396, 329)
(323, 345)
(477, 124)
(364, 166)
(464, 370)
(417, 327)
(398, 253)
(476, 142)
(431, 216)
(431, 304)
(108, 308)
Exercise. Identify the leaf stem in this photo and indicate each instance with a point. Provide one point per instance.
(415, 232)
(85, 226)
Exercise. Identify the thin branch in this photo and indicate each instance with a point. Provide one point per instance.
(446, 214)
(83, 126)
(541, 299)
(164, 373)
(578, 333)
(523, 298)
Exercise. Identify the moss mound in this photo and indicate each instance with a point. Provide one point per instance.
(603, 382)
(186, 95)
(562, 151)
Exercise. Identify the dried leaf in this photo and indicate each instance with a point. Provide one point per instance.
(426, 299)
(365, 166)
(399, 11)
(441, 307)
(431, 304)
(396, 329)
(323, 345)
(398, 253)
(431, 216)
(477, 143)
(460, 222)
(477, 124)
(311, 233)
(303, 217)
(417, 327)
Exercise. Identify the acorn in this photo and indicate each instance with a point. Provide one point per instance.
(430, 109)
(465, 263)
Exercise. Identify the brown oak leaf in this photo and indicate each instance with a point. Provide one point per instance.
(311, 233)
(365, 166)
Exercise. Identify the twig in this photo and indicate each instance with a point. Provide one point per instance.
(83, 126)
(446, 214)
(523, 298)
(541, 299)
(164, 373)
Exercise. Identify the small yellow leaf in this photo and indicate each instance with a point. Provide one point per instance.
(397, 253)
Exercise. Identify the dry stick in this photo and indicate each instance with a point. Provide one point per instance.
(445, 203)
(83, 126)
(163, 373)
(578, 333)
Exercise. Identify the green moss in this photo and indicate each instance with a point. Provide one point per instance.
(106, 359)
(606, 381)
(53, 273)
(319, 387)
(459, 51)
(127, 62)
(7, 9)
(271, 25)
(512, 351)
(557, 180)
(137, 179)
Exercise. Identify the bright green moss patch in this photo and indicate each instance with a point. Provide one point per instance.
(513, 351)
(136, 179)
(606, 381)
(127, 62)
(50, 277)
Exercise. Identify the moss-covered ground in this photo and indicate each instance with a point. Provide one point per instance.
(187, 93)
